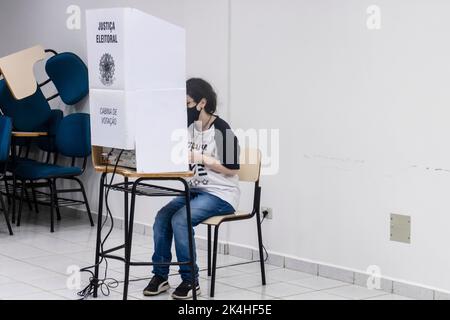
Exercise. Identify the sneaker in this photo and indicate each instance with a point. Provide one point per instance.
(156, 286)
(184, 291)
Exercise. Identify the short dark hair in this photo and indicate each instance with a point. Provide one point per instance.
(198, 89)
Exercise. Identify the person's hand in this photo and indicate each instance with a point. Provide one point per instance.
(195, 157)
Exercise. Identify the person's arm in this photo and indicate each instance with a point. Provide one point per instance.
(212, 163)
(228, 151)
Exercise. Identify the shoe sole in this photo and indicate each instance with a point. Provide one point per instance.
(189, 296)
(162, 289)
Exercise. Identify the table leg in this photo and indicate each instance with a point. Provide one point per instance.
(99, 233)
(126, 208)
(190, 238)
(129, 241)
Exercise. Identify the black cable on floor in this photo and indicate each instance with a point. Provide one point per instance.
(106, 284)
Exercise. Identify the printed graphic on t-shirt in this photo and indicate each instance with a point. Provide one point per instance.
(200, 175)
(215, 143)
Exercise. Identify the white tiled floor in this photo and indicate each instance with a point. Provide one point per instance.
(34, 262)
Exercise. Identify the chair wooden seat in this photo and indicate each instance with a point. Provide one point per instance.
(217, 220)
(17, 69)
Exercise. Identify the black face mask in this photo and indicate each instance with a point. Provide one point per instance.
(193, 114)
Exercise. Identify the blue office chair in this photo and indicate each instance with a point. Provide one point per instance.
(27, 114)
(5, 142)
(48, 145)
(73, 140)
(69, 74)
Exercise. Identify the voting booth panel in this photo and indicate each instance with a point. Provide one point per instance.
(106, 48)
(159, 147)
(131, 50)
(111, 114)
(137, 75)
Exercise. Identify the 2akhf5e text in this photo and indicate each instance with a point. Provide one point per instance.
(226, 309)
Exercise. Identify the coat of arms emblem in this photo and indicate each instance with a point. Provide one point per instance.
(107, 69)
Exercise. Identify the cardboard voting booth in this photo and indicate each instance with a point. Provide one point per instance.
(138, 86)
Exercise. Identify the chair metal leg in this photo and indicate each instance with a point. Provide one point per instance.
(52, 205)
(13, 199)
(7, 190)
(86, 202)
(33, 190)
(261, 253)
(19, 214)
(27, 196)
(5, 213)
(55, 199)
(99, 233)
(209, 251)
(214, 263)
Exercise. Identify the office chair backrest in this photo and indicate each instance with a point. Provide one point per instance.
(250, 163)
(48, 144)
(5, 138)
(27, 114)
(69, 74)
(73, 138)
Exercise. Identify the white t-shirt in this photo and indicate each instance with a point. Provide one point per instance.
(220, 143)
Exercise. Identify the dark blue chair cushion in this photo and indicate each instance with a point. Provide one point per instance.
(27, 114)
(11, 166)
(69, 74)
(5, 137)
(37, 171)
(74, 136)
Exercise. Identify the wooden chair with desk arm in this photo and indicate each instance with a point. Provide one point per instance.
(250, 171)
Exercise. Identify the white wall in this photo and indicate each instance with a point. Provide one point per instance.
(362, 117)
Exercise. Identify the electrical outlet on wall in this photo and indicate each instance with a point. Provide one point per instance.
(267, 212)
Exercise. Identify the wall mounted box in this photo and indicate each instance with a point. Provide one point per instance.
(400, 228)
(137, 79)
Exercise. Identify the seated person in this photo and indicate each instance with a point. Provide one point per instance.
(214, 158)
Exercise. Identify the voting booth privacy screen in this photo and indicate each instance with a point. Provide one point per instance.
(137, 79)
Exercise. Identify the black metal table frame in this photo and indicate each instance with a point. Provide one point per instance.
(153, 191)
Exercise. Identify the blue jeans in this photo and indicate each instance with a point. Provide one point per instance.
(171, 222)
